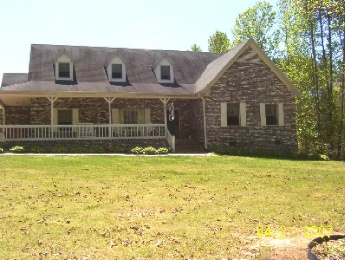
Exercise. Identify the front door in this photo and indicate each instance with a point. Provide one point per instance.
(174, 126)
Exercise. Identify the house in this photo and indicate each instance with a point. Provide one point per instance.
(136, 97)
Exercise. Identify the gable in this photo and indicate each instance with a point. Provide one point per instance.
(247, 52)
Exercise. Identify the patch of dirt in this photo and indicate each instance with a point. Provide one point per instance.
(294, 248)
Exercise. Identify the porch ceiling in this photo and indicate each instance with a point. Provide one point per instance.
(14, 100)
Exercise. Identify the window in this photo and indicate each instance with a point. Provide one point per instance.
(165, 72)
(130, 116)
(116, 71)
(271, 114)
(64, 70)
(65, 117)
(116, 68)
(233, 114)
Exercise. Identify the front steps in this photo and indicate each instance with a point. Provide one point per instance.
(188, 146)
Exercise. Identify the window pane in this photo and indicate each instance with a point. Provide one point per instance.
(130, 116)
(64, 71)
(165, 72)
(116, 71)
(64, 117)
(271, 114)
(233, 114)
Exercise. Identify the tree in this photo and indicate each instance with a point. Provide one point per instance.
(258, 22)
(218, 42)
(195, 48)
(314, 45)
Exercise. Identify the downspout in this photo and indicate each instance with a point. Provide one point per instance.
(205, 125)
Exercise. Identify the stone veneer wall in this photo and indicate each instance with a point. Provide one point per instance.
(87, 144)
(252, 84)
(17, 116)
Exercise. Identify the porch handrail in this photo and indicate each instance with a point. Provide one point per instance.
(82, 131)
(170, 139)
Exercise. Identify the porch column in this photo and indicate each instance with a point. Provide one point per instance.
(2, 131)
(109, 101)
(165, 102)
(205, 125)
(52, 100)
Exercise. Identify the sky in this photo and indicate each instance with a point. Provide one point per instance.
(142, 24)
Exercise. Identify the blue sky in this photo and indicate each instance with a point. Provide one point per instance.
(144, 24)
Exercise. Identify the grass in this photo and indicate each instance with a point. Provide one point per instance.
(102, 207)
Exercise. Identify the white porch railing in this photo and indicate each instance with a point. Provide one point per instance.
(81, 132)
(171, 140)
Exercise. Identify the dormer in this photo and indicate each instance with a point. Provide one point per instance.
(164, 69)
(64, 66)
(116, 68)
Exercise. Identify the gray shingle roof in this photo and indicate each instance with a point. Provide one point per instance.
(194, 72)
(91, 75)
(13, 78)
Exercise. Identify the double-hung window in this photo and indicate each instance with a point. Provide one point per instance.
(64, 70)
(165, 72)
(130, 116)
(233, 114)
(272, 114)
(65, 117)
(116, 71)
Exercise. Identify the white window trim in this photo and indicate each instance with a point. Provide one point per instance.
(280, 114)
(64, 59)
(224, 117)
(157, 70)
(116, 60)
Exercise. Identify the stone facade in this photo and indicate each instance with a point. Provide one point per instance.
(242, 83)
(252, 84)
(88, 144)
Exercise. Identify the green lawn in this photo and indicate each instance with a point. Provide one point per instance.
(104, 207)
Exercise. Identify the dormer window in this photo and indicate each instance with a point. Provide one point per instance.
(164, 69)
(116, 68)
(116, 71)
(64, 70)
(165, 72)
(64, 66)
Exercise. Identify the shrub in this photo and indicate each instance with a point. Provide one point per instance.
(97, 149)
(162, 150)
(268, 153)
(137, 150)
(38, 149)
(17, 149)
(149, 150)
(1, 150)
(117, 149)
(77, 149)
(59, 149)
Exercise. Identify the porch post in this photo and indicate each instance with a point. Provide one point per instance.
(52, 100)
(165, 102)
(109, 101)
(205, 126)
(2, 131)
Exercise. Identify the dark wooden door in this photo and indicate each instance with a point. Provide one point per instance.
(174, 126)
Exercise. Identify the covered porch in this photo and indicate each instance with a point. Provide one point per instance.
(88, 118)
